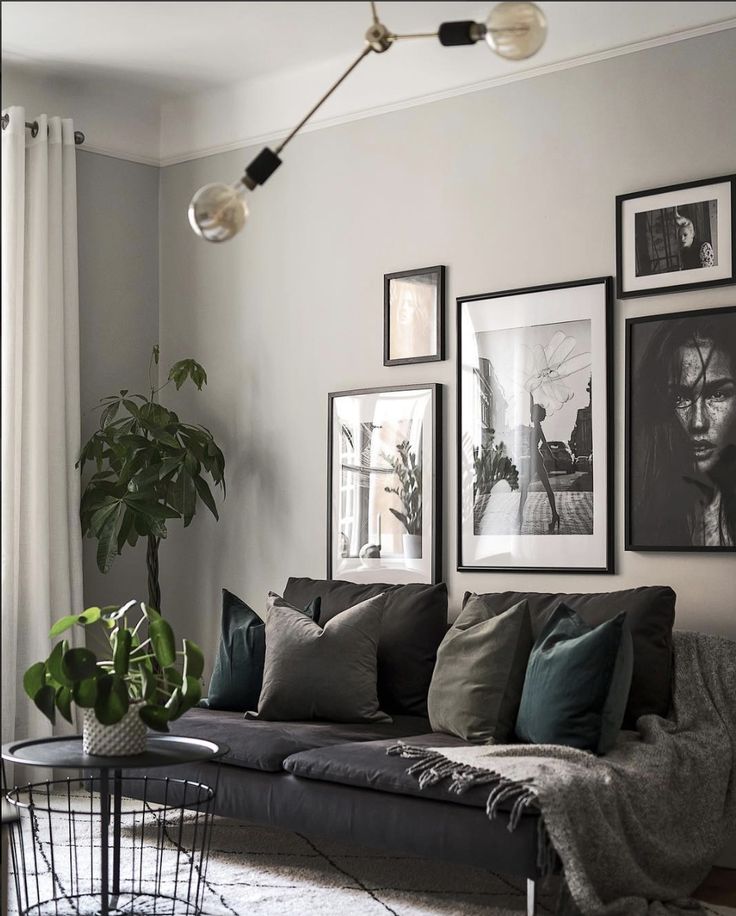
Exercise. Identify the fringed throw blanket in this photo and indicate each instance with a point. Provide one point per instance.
(639, 829)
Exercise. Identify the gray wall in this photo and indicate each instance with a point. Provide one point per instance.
(509, 187)
(117, 219)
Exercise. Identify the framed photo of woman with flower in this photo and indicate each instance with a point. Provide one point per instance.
(681, 431)
(534, 443)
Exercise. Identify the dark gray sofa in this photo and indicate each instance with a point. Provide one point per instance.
(337, 780)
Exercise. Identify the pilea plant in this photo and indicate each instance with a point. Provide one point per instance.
(141, 665)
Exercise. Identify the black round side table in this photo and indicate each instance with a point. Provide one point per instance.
(157, 828)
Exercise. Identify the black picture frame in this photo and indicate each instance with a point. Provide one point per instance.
(440, 273)
(632, 542)
(607, 564)
(725, 221)
(434, 478)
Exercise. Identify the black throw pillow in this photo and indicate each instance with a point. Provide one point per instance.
(238, 673)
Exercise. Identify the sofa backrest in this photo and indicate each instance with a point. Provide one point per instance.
(650, 611)
(414, 624)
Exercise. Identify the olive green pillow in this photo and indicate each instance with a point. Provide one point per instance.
(479, 675)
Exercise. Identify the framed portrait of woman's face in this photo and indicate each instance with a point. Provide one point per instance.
(681, 431)
(676, 238)
(414, 316)
(534, 442)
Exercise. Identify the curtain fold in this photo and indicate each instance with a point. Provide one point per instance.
(41, 539)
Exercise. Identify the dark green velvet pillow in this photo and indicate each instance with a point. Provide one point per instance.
(577, 683)
(238, 673)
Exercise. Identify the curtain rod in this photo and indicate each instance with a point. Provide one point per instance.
(33, 127)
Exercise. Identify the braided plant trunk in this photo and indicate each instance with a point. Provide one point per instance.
(154, 589)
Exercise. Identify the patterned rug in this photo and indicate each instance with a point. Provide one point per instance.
(265, 871)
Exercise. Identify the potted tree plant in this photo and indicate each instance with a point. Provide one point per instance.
(409, 473)
(150, 468)
(122, 692)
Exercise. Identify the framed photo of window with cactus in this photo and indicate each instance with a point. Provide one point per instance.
(384, 484)
(535, 429)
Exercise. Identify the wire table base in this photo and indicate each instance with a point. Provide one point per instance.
(100, 846)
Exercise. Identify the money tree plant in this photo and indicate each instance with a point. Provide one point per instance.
(151, 468)
(140, 665)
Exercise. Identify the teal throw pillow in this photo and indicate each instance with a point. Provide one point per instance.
(577, 683)
(238, 673)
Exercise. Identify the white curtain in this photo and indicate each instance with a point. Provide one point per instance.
(41, 541)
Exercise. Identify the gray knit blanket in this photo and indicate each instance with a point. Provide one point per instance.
(638, 830)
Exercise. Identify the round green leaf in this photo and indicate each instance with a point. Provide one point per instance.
(162, 640)
(112, 699)
(155, 717)
(34, 679)
(64, 702)
(79, 664)
(91, 615)
(175, 703)
(54, 663)
(85, 693)
(45, 700)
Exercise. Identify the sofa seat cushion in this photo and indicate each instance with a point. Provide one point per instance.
(367, 766)
(258, 745)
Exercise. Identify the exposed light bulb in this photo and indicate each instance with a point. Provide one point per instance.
(516, 30)
(219, 211)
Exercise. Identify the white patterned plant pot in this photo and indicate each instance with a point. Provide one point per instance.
(124, 739)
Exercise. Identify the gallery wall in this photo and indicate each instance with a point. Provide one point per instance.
(508, 187)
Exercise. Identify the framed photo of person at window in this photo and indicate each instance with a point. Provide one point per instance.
(535, 433)
(681, 431)
(414, 316)
(384, 484)
(678, 238)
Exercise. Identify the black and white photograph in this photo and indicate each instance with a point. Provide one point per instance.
(414, 316)
(383, 484)
(681, 431)
(675, 238)
(534, 459)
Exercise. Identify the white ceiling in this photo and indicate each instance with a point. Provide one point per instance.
(185, 47)
(224, 74)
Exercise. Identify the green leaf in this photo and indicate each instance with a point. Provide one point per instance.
(54, 663)
(121, 655)
(162, 640)
(79, 664)
(155, 717)
(149, 683)
(107, 545)
(112, 699)
(191, 694)
(34, 679)
(64, 702)
(205, 494)
(85, 693)
(63, 624)
(45, 700)
(175, 703)
(90, 615)
(193, 660)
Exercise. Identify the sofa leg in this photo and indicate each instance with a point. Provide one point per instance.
(531, 897)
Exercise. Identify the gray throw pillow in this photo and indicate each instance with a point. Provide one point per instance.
(314, 672)
(479, 676)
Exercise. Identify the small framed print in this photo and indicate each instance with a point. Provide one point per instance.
(535, 429)
(414, 316)
(681, 431)
(384, 484)
(676, 238)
